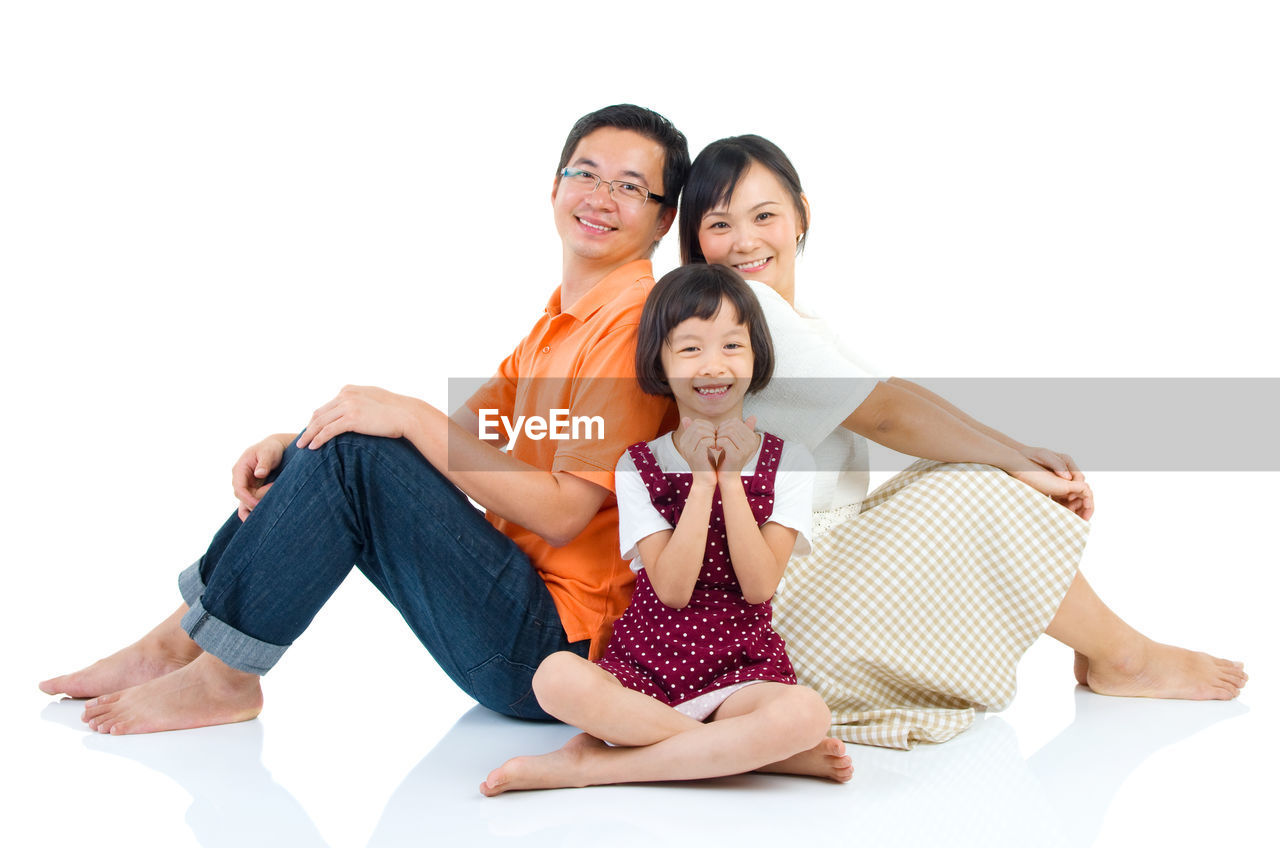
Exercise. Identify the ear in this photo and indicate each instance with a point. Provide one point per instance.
(555, 187)
(808, 216)
(665, 220)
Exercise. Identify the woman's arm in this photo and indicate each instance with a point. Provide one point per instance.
(907, 422)
(1060, 463)
(956, 412)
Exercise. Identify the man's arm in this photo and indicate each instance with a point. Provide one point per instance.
(555, 505)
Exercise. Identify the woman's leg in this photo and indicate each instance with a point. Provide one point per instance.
(1114, 659)
(767, 723)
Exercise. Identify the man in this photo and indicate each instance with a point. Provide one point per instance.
(381, 480)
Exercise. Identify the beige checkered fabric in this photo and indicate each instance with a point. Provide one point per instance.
(911, 613)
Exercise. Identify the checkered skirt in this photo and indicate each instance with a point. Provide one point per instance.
(914, 611)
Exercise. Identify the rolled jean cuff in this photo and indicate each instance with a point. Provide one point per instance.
(238, 650)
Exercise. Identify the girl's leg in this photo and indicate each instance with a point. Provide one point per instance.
(1114, 659)
(583, 694)
(573, 690)
(770, 722)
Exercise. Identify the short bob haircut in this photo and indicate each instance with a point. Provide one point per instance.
(651, 125)
(697, 291)
(714, 176)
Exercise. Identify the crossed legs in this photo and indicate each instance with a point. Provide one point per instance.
(766, 727)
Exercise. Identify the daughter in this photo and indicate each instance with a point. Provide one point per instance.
(709, 517)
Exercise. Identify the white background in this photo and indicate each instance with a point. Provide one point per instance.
(212, 216)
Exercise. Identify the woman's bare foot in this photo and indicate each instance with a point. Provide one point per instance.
(165, 649)
(1082, 669)
(201, 693)
(826, 759)
(1153, 670)
(556, 770)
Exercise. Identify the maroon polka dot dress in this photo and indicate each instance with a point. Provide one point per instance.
(718, 639)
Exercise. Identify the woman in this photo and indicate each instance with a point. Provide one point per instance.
(945, 575)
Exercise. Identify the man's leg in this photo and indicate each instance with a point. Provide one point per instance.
(466, 590)
(166, 647)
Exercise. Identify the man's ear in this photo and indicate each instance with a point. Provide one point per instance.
(555, 186)
(665, 220)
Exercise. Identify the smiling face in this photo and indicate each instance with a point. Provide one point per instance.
(600, 232)
(708, 363)
(756, 232)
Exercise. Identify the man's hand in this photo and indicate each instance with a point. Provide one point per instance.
(360, 409)
(254, 466)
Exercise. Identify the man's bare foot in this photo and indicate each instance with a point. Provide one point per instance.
(1153, 670)
(204, 692)
(165, 649)
(556, 770)
(826, 759)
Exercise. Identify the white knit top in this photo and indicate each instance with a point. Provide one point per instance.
(817, 382)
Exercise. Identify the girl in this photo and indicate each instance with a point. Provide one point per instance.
(918, 601)
(708, 517)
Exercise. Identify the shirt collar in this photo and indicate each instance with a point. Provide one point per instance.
(604, 291)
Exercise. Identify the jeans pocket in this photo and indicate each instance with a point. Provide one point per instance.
(505, 687)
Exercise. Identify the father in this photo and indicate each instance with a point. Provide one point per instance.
(381, 481)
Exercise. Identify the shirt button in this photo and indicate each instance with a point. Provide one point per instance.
(547, 349)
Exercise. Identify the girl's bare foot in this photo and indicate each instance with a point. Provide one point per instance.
(826, 759)
(556, 770)
(1153, 670)
(165, 649)
(201, 693)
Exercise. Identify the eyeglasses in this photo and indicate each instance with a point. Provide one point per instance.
(636, 195)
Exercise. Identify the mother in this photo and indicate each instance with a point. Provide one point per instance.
(916, 602)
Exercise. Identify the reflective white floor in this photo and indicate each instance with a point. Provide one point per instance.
(363, 742)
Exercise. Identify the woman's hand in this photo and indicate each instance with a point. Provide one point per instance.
(360, 409)
(1065, 467)
(696, 441)
(1072, 492)
(737, 441)
(254, 466)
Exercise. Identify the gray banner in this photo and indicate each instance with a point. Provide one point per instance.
(1105, 424)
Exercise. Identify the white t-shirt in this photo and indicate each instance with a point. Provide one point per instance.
(637, 518)
(817, 383)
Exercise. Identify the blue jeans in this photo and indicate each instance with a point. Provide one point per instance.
(469, 593)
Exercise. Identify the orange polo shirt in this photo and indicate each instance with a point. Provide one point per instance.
(582, 360)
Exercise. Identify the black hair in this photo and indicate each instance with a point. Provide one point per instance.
(715, 174)
(697, 291)
(651, 125)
